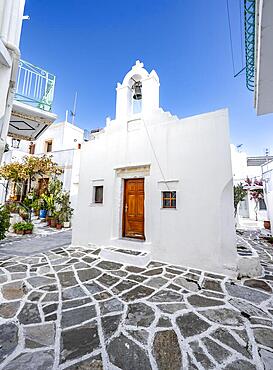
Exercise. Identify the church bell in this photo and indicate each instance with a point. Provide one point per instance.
(137, 90)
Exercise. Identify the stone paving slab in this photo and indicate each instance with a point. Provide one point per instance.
(29, 245)
(66, 308)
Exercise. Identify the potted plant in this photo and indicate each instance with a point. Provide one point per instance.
(267, 225)
(36, 204)
(43, 212)
(52, 200)
(23, 227)
(57, 217)
(28, 227)
(53, 221)
(49, 203)
(48, 220)
(23, 213)
(58, 224)
(18, 228)
(66, 210)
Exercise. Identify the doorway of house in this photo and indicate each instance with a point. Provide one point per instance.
(42, 186)
(133, 209)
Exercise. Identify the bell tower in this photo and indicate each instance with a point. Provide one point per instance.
(138, 93)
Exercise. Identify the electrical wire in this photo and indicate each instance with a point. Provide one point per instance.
(230, 38)
(153, 149)
(241, 31)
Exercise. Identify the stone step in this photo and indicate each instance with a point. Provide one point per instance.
(126, 256)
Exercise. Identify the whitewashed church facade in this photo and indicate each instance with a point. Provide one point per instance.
(152, 182)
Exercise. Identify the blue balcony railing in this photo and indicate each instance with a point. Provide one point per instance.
(249, 16)
(35, 86)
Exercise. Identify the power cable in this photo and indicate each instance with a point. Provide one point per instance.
(153, 149)
(230, 38)
(241, 31)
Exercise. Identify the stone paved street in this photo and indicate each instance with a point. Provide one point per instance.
(30, 244)
(69, 309)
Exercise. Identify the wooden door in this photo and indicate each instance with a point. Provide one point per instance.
(133, 209)
(42, 186)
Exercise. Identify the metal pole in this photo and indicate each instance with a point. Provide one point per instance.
(74, 108)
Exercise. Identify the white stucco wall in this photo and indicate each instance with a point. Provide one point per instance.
(11, 16)
(241, 171)
(64, 136)
(65, 139)
(267, 170)
(194, 155)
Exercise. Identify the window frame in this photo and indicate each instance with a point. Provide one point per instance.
(95, 188)
(171, 199)
(49, 141)
(32, 148)
(262, 202)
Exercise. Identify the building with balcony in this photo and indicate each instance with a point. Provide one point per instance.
(62, 141)
(27, 91)
(32, 105)
(259, 53)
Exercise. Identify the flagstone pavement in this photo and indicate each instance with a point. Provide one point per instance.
(69, 309)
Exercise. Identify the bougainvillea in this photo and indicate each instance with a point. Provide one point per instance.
(255, 187)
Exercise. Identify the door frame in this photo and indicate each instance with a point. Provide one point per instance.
(123, 209)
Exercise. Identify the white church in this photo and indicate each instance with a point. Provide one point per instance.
(157, 184)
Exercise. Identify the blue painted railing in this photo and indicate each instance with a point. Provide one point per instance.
(249, 15)
(35, 86)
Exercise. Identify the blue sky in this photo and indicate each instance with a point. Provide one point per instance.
(90, 45)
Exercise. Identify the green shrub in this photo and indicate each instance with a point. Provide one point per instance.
(4, 221)
(19, 226)
(12, 207)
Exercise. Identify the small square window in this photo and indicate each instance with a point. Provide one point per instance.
(262, 205)
(48, 146)
(98, 194)
(32, 148)
(169, 199)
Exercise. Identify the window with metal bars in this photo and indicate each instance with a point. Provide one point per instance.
(168, 199)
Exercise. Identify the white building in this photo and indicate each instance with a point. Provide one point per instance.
(155, 183)
(267, 170)
(243, 167)
(262, 60)
(26, 91)
(11, 17)
(63, 142)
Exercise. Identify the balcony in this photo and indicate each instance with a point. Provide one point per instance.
(35, 86)
(32, 105)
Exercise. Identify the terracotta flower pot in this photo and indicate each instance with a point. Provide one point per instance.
(49, 222)
(20, 232)
(28, 231)
(53, 222)
(58, 226)
(267, 225)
